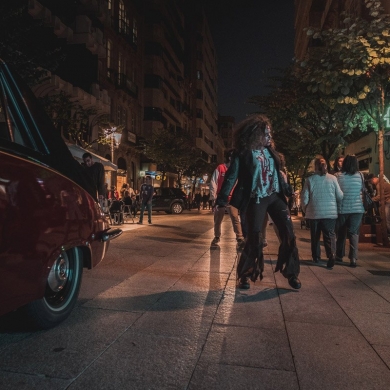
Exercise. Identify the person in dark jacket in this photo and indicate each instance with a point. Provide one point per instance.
(96, 171)
(146, 195)
(260, 189)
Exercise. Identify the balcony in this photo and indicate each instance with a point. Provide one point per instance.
(127, 85)
(123, 28)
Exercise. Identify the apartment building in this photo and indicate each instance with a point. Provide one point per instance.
(225, 128)
(139, 63)
(201, 72)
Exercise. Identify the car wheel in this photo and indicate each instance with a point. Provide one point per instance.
(62, 289)
(177, 208)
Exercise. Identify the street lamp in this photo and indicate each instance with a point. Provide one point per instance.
(115, 138)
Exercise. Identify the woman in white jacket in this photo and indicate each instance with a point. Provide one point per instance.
(351, 208)
(320, 197)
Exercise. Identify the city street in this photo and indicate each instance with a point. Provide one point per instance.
(162, 312)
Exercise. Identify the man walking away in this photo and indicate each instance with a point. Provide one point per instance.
(215, 186)
(146, 195)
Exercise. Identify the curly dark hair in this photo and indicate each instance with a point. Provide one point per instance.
(250, 132)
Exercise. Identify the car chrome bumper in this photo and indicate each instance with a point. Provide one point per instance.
(110, 234)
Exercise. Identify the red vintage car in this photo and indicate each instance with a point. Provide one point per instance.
(51, 225)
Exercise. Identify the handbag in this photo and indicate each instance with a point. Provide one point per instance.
(368, 203)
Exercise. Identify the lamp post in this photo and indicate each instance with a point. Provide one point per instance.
(115, 139)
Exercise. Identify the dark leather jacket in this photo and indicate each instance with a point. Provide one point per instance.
(241, 171)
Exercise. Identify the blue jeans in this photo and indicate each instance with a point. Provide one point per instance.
(149, 208)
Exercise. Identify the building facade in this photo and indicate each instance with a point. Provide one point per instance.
(225, 127)
(136, 63)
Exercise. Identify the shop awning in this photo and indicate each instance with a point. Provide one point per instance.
(78, 151)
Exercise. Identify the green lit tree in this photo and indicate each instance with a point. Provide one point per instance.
(306, 121)
(352, 67)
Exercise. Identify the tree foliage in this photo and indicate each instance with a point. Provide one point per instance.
(171, 150)
(352, 68)
(74, 121)
(27, 44)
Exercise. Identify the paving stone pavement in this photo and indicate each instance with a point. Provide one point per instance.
(190, 328)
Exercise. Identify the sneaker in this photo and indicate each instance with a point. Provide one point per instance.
(150, 223)
(215, 241)
(140, 223)
(244, 283)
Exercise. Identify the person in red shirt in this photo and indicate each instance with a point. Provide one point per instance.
(215, 186)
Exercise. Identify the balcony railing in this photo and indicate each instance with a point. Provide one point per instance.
(126, 84)
(123, 28)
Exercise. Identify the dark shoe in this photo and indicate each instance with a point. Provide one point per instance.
(140, 223)
(150, 222)
(317, 261)
(215, 241)
(294, 282)
(339, 259)
(244, 283)
(330, 263)
(240, 244)
(352, 263)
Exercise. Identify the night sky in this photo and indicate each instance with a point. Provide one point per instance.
(250, 37)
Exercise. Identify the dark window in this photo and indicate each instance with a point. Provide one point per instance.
(199, 94)
(152, 81)
(153, 49)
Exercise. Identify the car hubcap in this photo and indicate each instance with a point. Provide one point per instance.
(59, 273)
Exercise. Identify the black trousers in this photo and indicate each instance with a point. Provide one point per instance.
(251, 262)
(327, 227)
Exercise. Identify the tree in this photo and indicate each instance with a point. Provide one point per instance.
(301, 117)
(27, 44)
(353, 68)
(198, 169)
(171, 150)
(69, 117)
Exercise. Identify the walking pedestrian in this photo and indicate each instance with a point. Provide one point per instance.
(216, 182)
(205, 199)
(320, 197)
(259, 190)
(197, 200)
(386, 189)
(351, 208)
(135, 206)
(146, 195)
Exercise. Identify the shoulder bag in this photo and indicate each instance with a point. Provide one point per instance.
(368, 203)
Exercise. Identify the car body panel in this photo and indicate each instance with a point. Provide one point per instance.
(47, 200)
(165, 197)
